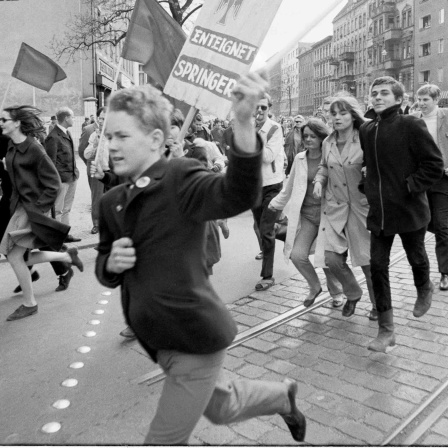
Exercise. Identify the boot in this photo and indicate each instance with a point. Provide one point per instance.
(424, 299)
(386, 336)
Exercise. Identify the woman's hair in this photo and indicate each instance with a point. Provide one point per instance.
(30, 122)
(351, 105)
(317, 126)
(146, 104)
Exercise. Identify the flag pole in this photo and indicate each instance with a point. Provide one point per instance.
(100, 143)
(188, 119)
(34, 96)
(6, 93)
(271, 63)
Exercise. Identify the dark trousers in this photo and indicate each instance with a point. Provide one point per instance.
(438, 203)
(414, 246)
(265, 220)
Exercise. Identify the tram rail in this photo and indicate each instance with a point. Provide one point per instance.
(409, 431)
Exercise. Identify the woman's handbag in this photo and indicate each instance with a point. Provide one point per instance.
(280, 227)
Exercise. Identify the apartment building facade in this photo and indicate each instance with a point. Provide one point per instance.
(322, 52)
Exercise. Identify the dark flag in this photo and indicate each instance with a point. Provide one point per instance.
(34, 68)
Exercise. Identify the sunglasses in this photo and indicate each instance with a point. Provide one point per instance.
(4, 120)
(262, 107)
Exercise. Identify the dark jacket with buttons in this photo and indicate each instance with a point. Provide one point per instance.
(167, 297)
(402, 162)
(35, 183)
(59, 147)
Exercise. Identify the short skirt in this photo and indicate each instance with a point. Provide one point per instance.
(19, 233)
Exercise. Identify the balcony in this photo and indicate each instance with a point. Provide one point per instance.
(369, 42)
(386, 7)
(392, 63)
(347, 54)
(347, 78)
(333, 61)
(334, 77)
(393, 34)
(407, 62)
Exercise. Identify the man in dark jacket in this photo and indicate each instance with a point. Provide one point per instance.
(59, 147)
(402, 161)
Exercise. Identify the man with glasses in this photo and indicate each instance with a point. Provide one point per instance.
(272, 175)
(293, 142)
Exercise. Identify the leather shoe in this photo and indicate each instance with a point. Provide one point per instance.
(128, 333)
(22, 311)
(259, 256)
(94, 230)
(444, 282)
(373, 315)
(311, 298)
(34, 278)
(64, 280)
(295, 420)
(76, 261)
(349, 307)
(71, 239)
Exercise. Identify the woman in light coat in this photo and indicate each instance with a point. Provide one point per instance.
(305, 211)
(345, 208)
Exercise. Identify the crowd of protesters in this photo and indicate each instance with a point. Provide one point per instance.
(333, 179)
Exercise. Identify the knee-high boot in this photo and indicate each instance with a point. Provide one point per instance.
(386, 335)
(424, 299)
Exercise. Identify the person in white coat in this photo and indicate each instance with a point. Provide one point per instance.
(343, 225)
(305, 211)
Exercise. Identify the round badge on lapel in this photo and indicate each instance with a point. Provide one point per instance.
(119, 208)
(143, 182)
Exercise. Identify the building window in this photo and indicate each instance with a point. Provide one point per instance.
(440, 75)
(425, 49)
(423, 76)
(425, 22)
(442, 16)
(440, 45)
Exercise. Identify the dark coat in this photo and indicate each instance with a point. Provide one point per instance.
(5, 214)
(59, 147)
(35, 183)
(167, 297)
(402, 162)
(290, 149)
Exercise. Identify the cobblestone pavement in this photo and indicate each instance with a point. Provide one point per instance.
(350, 396)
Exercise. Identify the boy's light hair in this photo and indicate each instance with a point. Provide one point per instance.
(146, 104)
(430, 89)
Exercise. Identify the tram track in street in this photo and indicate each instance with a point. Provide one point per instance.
(411, 429)
(257, 330)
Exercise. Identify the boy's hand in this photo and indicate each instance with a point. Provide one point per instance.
(122, 256)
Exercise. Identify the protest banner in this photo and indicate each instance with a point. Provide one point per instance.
(221, 47)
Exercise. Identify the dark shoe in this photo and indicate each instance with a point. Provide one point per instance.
(94, 230)
(311, 298)
(443, 282)
(259, 256)
(295, 419)
(424, 299)
(64, 280)
(34, 278)
(76, 261)
(71, 239)
(349, 307)
(386, 335)
(373, 315)
(264, 284)
(128, 333)
(22, 311)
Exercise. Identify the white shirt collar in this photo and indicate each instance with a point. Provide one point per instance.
(62, 128)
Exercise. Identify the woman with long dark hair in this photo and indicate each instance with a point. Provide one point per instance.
(343, 227)
(35, 185)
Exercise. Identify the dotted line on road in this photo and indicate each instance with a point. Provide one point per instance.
(53, 427)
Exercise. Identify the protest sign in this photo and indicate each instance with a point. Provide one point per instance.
(222, 46)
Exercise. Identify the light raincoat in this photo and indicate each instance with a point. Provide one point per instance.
(344, 207)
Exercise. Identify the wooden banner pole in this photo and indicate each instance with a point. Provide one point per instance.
(6, 93)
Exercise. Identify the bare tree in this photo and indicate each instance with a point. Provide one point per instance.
(105, 22)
